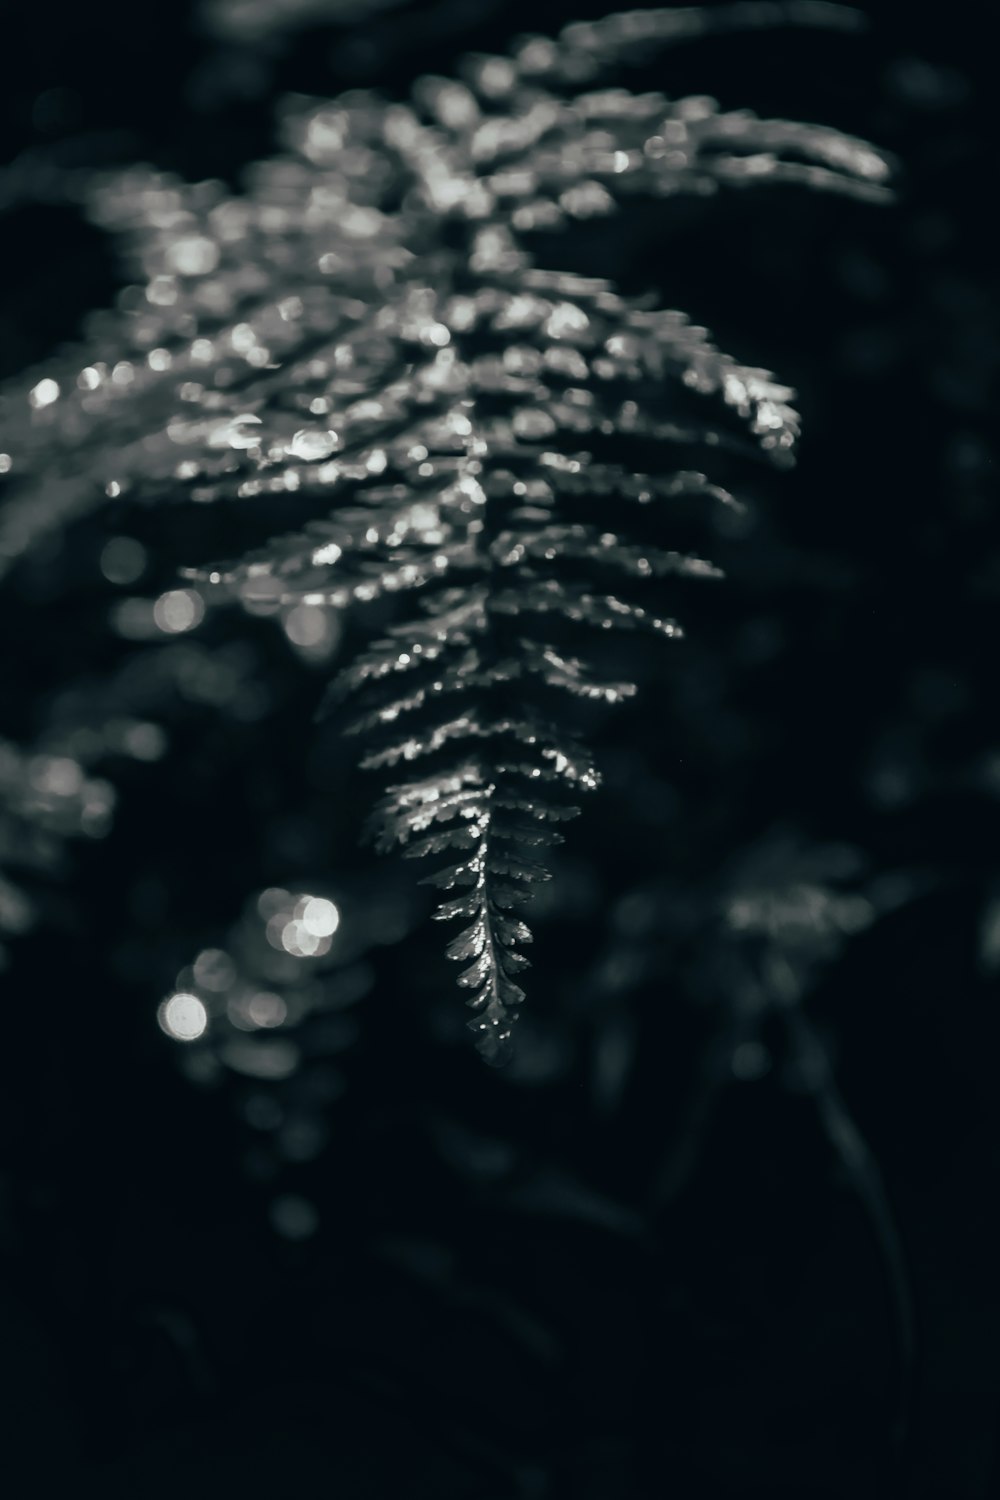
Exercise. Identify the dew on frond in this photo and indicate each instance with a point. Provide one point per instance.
(494, 452)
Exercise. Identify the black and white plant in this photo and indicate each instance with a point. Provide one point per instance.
(495, 451)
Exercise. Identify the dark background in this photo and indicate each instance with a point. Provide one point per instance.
(727, 1225)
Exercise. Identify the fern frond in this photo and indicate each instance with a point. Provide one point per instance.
(493, 878)
(366, 328)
